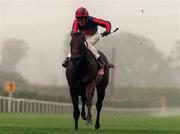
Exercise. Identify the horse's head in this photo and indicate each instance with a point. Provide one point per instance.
(77, 46)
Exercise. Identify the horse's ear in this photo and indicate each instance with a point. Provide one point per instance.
(75, 33)
(80, 34)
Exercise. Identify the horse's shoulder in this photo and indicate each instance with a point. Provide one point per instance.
(89, 54)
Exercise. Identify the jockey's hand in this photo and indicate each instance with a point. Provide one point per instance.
(105, 33)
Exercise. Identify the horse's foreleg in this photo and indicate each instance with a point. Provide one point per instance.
(76, 111)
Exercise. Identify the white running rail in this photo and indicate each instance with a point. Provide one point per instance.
(15, 105)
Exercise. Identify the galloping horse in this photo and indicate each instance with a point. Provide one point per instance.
(82, 76)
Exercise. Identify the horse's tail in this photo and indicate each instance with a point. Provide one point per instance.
(110, 65)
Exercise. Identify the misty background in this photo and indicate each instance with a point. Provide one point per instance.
(34, 40)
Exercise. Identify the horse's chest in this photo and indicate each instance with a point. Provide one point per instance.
(81, 73)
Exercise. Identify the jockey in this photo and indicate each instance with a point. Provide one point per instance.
(89, 25)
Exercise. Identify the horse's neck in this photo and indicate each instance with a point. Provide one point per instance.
(87, 68)
(90, 56)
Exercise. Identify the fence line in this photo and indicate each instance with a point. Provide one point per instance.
(21, 105)
(14, 105)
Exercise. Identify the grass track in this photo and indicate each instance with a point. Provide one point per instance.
(63, 124)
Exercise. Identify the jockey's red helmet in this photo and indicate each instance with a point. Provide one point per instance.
(81, 12)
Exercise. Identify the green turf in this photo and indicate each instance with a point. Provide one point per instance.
(63, 124)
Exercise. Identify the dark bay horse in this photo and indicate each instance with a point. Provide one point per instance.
(82, 76)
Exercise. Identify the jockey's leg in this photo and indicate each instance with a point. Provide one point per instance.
(92, 40)
(65, 62)
(97, 56)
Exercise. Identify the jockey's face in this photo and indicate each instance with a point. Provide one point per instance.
(82, 21)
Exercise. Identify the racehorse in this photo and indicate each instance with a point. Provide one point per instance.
(82, 76)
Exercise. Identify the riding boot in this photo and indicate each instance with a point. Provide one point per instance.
(65, 62)
(100, 62)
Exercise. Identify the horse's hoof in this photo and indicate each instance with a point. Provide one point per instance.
(84, 118)
(83, 115)
(76, 127)
(97, 126)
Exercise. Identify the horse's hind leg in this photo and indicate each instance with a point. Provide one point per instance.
(100, 97)
(89, 106)
(89, 95)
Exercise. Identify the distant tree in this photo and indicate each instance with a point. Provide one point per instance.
(177, 49)
(175, 58)
(13, 50)
(138, 62)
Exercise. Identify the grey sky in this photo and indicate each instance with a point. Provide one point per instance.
(45, 24)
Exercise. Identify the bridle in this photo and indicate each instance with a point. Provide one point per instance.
(81, 56)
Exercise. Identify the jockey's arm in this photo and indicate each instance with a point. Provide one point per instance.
(75, 26)
(102, 23)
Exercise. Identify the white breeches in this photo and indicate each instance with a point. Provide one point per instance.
(92, 40)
